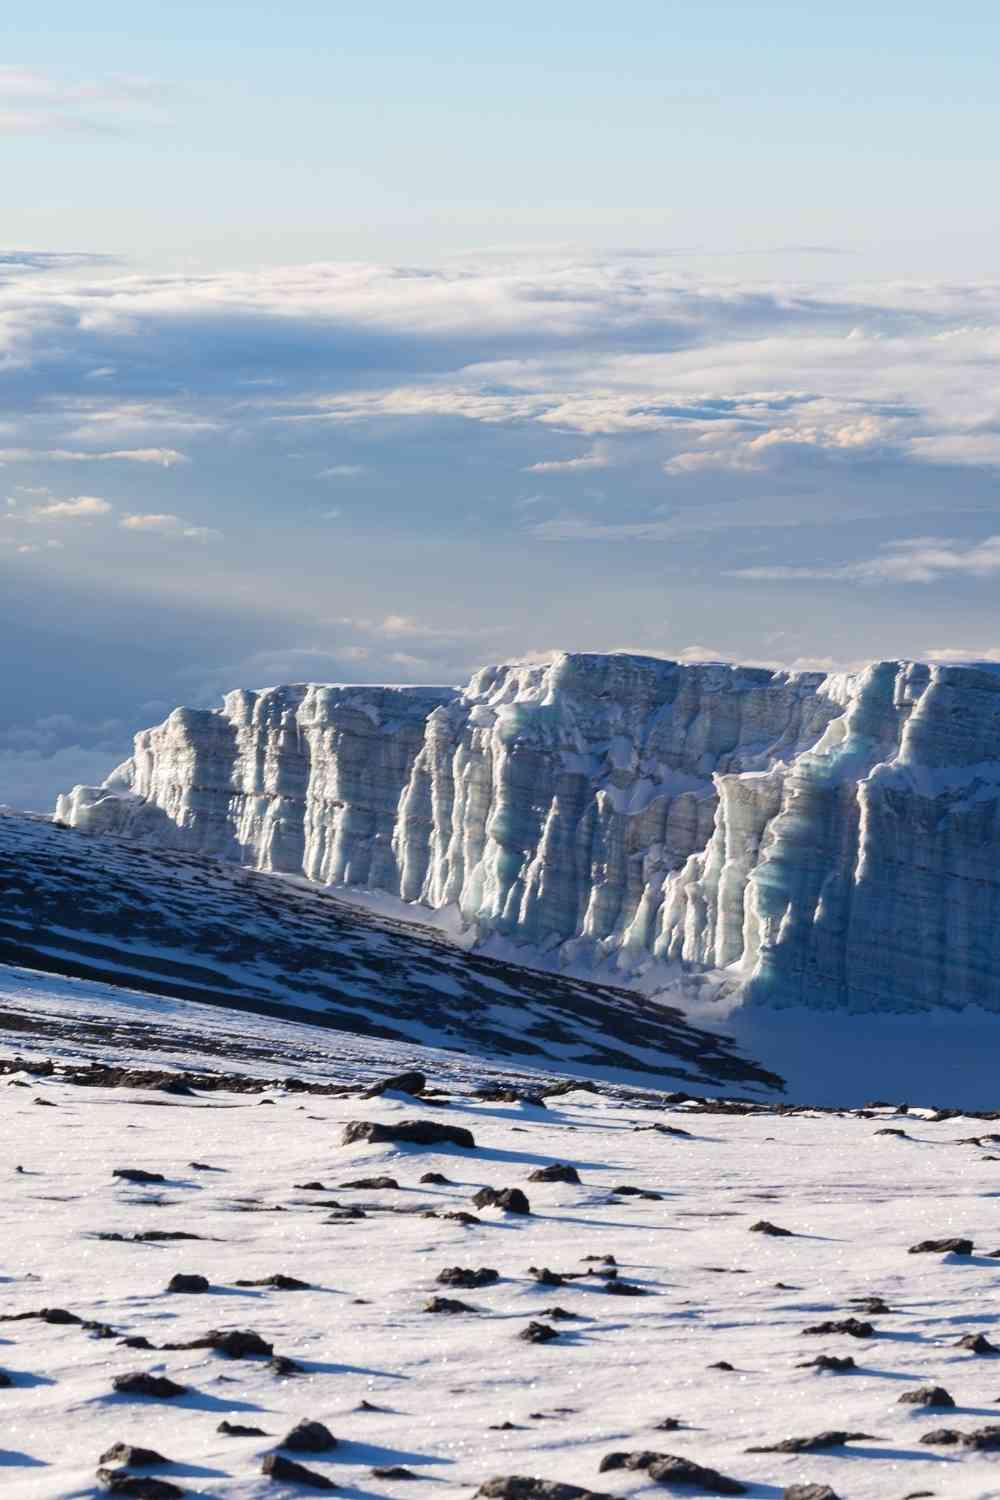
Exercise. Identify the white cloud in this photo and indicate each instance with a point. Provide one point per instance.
(82, 508)
(342, 471)
(914, 560)
(597, 458)
(167, 524)
(33, 102)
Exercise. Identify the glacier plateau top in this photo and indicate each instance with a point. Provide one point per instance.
(785, 838)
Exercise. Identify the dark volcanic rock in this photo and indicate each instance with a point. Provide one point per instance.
(557, 1172)
(282, 1365)
(137, 1174)
(447, 1305)
(143, 1383)
(233, 1429)
(512, 1200)
(144, 1486)
(409, 1133)
(374, 1184)
(413, 1082)
(286, 1469)
(809, 1492)
(838, 1364)
(945, 1436)
(279, 1282)
(438, 1179)
(871, 1305)
(926, 1395)
(309, 1437)
(519, 1487)
(182, 1283)
(764, 1226)
(538, 1333)
(571, 1086)
(625, 1289)
(942, 1247)
(393, 1471)
(133, 1457)
(832, 1439)
(466, 1277)
(46, 1314)
(853, 1326)
(675, 1472)
(545, 1277)
(977, 1342)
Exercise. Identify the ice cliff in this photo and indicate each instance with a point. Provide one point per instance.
(830, 841)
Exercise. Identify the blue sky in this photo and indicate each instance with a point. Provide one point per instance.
(362, 347)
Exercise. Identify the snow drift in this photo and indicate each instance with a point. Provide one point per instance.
(829, 841)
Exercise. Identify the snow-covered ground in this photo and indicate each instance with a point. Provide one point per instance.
(443, 1385)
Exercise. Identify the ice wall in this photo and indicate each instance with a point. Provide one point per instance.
(830, 841)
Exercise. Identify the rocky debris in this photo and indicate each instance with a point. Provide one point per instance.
(281, 1364)
(625, 1289)
(408, 1133)
(132, 1456)
(493, 1093)
(46, 1314)
(234, 1429)
(837, 1364)
(557, 1172)
(448, 1305)
(941, 1436)
(182, 1283)
(977, 1343)
(393, 1471)
(158, 1236)
(467, 1278)
(235, 1343)
(412, 1082)
(810, 1492)
(461, 1216)
(374, 1184)
(570, 1086)
(511, 1200)
(137, 1341)
(137, 1174)
(764, 1226)
(721, 1364)
(311, 1187)
(832, 1439)
(888, 1130)
(519, 1487)
(280, 1282)
(668, 1424)
(604, 1260)
(545, 1277)
(871, 1305)
(340, 1213)
(437, 1179)
(143, 1486)
(275, 1466)
(626, 1190)
(984, 1439)
(309, 1437)
(538, 1333)
(145, 1383)
(953, 1246)
(852, 1326)
(560, 1315)
(926, 1395)
(675, 1472)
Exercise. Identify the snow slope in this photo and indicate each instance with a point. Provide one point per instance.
(187, 927)
(829, 842)
(458, 1398)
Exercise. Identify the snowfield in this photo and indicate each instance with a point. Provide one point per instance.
(457, 1398)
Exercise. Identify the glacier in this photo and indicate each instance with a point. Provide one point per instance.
(770, 838)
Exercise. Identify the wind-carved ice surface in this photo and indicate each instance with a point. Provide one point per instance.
(830, 841)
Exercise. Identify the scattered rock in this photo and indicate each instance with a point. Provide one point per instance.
(233, 1429)
(625, 1289)
(833, 1439)
(374, 1184)
(132, 1456)
(954, 1246)
(809, 1492)
(137, 1341)
(466, 1277)
(721, 1364)
(764, 1226)
(447, 1305)
(519, 1487)
(571, 1086)
(838, 1364)
(393, 1471)
(281, 1364)
(670, 1470)
(943, 1436)
(557, 1172)
(926, 1395)
(309, 1437)
(277, 1467)
(545, 1277)
(408, 1133)
(559, 1314)
(512, 1200)
(978, 1343)
(144, 1486)
(137, 1174)
(279, 1282)
(852, 1326)
(144, 1383)
(438, 1179)
(182, 1283)
(538, 1333)
(412, 1082)
(888, 1130)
